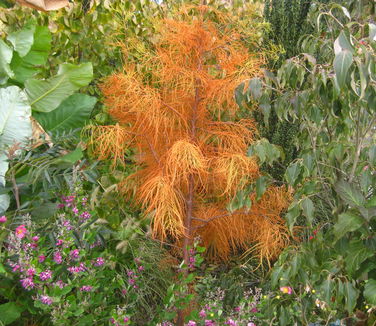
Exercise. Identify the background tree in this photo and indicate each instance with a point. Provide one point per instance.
(181, 117)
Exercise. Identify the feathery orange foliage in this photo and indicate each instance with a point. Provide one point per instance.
(180, 116)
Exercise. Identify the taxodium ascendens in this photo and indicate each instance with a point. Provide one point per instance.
(179, 114)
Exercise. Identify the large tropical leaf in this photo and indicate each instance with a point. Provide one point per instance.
(15, 128)
(6, 54)
(27, 66)
(22, 40)
(46, 95)
(72, 113)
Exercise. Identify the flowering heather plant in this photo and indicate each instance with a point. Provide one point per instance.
(69, 274)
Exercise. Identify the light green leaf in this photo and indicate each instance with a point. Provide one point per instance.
(255, 88)
(356, 254)
(351, 295)
(6, 54)
(327, 289)
(372, 32)
(46, 95)
(308, 209)
(71, 114)
(24, 68)
(370, 291)
(260, 186)
(342, 43)
(22, 40)
(239, 97)
(292, 215)
(371, 202)
(72, 157)
(349, 193)
(4, 203)
(347, 222)
(9, 312)
(342, 63)
(292, 173)
(15, 125)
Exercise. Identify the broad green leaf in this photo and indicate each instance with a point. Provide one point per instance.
(370, 291)
(22, 40)
(342, 63)
(356, 254)
(349, 193)
(9, 312)
(347, 222)
(15, 125)
(260, 186)
(72, 157)
(239, 97)
(327, 289)
(292, 173)
(351, 295)
(308, 209)
(372, 32)
(71, 114)
(371, 202)
(6, 54)
(255, 88)
(265, 151)
(292, 215)
(24, 68)
(342, 43)
(46, 95)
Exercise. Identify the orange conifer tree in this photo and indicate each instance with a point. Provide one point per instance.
(181, 117)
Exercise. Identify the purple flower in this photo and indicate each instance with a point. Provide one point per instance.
(60, 206)
(254, 309)
(46, 275)
(45, 299)
(69, 200)
(141, 268)
(132, 281)
(126, 319)
(124, 291)
(202, 314)
(112, 321)
(16, 268)
(59, 242)
(75, 210)
(231, 322)
(58, 259)
(60, 284)
(86, 288)
(237, 309)
(77, 269)
(3, 219)
(27, 283)
(99, 261)
(41, 258)
(35, 238)
(30, 271)
(21, 231)
(209, 323)
(85, 215)
(74, 254)
(67, 225)
(191, 323)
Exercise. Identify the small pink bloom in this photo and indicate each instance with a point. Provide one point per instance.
(41, 258)
(75, 210)
(16, 268)
(86, 288)
(45, 299)
(99, 261)
(30, 272)
(124, 291)
(231, 322)
(74, 254)
(141, 268)
(237, 309)
(59, 242)
(21, 231)
(286, 289)
(202, 314)
(27, 283)
(46, 275)
(58, 259)
(209, 323)
(85, 215)
(254, 309)
(60, 206)
(191, 323)
(35, 238)
(3, 219)
(251, 324)
(126, 319)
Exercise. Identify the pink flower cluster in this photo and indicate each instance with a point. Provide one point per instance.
(77, 269)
